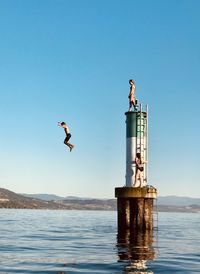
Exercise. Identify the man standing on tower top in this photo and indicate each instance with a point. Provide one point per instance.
(132, 100)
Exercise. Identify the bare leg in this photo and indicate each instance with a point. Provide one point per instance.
(136, 176)
(141, 179)
(68, 144)
(130, 105)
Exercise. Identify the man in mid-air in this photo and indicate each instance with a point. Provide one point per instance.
(68, 135)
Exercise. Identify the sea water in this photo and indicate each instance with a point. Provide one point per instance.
(46, 241)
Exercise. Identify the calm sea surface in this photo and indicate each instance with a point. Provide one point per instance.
(43, 241)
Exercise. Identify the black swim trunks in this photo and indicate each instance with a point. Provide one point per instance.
(67, 137)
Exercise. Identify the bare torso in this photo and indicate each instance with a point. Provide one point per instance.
(132, 92)
(66, 129)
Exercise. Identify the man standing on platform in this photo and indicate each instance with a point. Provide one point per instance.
(139, 168)
(132, 100)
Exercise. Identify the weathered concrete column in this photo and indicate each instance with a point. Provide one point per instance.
(123, 206)
(135, 208)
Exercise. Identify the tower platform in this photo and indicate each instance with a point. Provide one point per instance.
(136, 192)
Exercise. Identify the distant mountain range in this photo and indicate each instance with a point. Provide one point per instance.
(178, 201)
(45, 197)
(52, 197)
(9, 199)
(161, 200)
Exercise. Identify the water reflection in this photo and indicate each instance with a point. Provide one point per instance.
(135, 249)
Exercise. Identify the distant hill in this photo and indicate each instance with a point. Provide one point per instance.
(91, 204)
(9, 199)
(161, 200)
(178, 201)
(45, 197)
(52, 197)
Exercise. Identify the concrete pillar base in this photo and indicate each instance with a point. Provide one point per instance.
(135, 208)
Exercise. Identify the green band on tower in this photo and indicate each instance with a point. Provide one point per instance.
(131, 124)
(133, 120)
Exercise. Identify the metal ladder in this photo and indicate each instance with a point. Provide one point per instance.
(141, 141)
(155, 216)
(155, 225)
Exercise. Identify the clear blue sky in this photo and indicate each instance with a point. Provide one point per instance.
(71, 61)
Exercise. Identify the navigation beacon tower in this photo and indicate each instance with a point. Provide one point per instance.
(135, 199)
